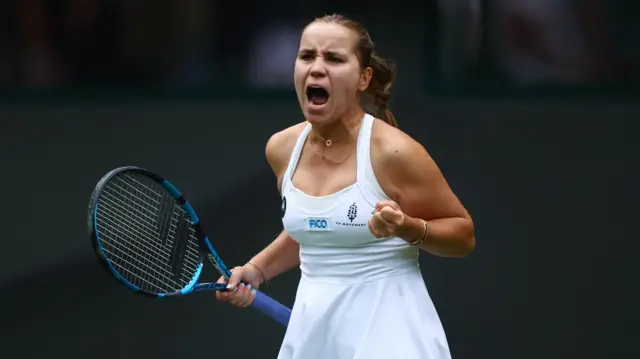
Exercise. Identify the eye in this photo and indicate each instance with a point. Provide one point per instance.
(335, 59)
(306, 56)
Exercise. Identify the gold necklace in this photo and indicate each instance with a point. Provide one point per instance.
(328, 143)
(327, 158)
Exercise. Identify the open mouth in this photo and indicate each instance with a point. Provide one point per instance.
(317, 96)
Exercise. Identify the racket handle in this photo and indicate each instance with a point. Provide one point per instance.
(271, 308)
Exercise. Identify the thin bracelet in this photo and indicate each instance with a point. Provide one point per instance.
(425, 233)
(264, 279)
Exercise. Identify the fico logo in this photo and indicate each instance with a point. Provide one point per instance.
(318, 224)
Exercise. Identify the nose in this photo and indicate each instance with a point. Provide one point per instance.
(317, 68)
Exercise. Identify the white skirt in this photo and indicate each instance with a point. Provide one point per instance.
(388, 318)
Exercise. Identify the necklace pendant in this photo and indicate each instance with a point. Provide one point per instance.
(328, 143)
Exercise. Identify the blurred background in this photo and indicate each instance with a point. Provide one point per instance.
(50, 44)
(526, 105)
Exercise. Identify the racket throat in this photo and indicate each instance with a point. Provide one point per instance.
(220, 270)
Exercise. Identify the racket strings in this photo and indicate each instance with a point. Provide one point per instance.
(162, 275)
(139, 225)
(128, 238)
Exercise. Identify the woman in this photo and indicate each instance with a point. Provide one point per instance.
(360, 198)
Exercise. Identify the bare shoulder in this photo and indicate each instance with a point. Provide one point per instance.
(391, 146)
(395, 157)
(280, 146)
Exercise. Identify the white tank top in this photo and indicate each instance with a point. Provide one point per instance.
(335, 242)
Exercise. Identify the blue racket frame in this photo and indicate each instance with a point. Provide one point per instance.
(262, 302)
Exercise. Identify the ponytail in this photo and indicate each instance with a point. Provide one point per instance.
(380, 87)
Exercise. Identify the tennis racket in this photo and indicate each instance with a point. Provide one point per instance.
(148, 237)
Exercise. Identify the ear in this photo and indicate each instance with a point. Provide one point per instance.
(365, 78)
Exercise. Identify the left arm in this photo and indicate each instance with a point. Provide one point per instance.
(409, 175)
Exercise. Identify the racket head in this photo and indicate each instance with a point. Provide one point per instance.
(145, 234)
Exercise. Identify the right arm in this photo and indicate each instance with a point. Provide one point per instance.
(278, 257)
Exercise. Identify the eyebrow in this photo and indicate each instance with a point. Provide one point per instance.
(328, 52)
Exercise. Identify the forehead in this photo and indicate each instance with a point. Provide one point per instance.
(323, 36)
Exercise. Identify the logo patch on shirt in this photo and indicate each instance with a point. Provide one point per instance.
(318, 224)
(352, 214)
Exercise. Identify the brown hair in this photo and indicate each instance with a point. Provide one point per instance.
(384, 72)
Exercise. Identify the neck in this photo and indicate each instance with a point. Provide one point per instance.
(340, 129)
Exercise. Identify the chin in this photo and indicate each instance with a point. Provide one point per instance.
(317, 114)
(317, 119)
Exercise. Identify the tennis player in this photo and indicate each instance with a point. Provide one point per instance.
(360, 198)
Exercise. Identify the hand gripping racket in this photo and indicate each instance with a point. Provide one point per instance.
(148, 237)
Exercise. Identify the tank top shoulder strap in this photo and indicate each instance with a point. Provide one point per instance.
(366, 178)
(363, 150)
(295, 156)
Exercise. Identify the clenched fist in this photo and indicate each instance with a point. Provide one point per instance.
(387, 218)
